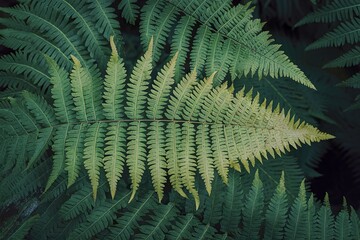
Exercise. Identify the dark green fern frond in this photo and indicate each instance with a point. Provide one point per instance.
(346, 13)
(226, 36)
(345, 33)
(324, 225)
(337, 10)
(100, 218)
(349, 59)
(295, 226)
(276, 213)
(22, 231)
(27, 66)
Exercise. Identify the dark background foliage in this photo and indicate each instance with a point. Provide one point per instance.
(339, 163)
(333, 166)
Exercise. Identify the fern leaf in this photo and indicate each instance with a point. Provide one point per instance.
(187, 161)
(180, 96)
(355, 224)
(79, 85)
(200, 48)
(57, 28)
(21, 232)
(60, 137)
(40, 109)
(78, 11)
(212, 205)
(221, 158)
(173, 132)
(130, 10)
(156, 157)
(79, 202)
(61, 92)
(135, 211)
(114, 154)
(157, 25)
(347, 32)
(114, 85)
(161, 90)
(237, 30)
(182, 227)
(113, 109)
(233, 203)
(86, 92)
(325, 221)
(100, 218)
(310, 219)
(204, 232)
(94, 153)
(136, 154)
(136, 98)
(295, 226)
(254, 205)
(337, 10)
(349, 59)
(205, 161)
(74, 152)
(342, 224)
(158, 225)
(275, 217)
(181, 43)
(192, 107)
(104, 17)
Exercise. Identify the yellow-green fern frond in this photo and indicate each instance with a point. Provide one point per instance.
(173, 129)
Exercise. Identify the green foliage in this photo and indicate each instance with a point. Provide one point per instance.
(130, 138)
(346, 14)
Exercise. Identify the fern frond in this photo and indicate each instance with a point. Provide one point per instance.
(104, 17)
(125, 224)
(74, 145)
(355, 223)
(61, 134)
(100, 218)
(138, 85)
(275, 217)
(254, 205)
(234, 129)
(335, 11)
(212, 208)
(83, 23)
(310, 218)
(130, 10)
(342, 224)
(21, 232)
(351, 58)
(61, 92)
(79, 202)
(94, 153)
(182, 227)
(114, 154)
(28, 65)
(159, 223)
(52, 25)
(295, 226)
(324, 225)
(159, 15)
(233, 203)
(347, 32)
